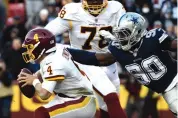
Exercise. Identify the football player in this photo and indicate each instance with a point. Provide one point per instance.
(74, 94)
(144, 54)
(84, 21)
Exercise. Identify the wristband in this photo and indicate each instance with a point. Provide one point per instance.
(35, 82)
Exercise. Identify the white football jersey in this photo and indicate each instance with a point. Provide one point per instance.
(84, 28)
(61, 75)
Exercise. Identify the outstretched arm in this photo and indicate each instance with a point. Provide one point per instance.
(105, 59)
(91, 58)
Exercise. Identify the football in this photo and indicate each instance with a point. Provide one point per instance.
(29, 90)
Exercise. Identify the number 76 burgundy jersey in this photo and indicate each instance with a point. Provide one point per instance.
(84, 28)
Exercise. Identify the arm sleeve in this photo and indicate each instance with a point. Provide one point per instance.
(58, 26)
(53, 75)
(113, 48)
(83, 57)
(165, 40)
(49, 85)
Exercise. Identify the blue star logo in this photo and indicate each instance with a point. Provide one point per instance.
(134, 20)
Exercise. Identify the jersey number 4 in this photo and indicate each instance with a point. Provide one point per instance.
(93, 31)
(150, 69)
(49, 70)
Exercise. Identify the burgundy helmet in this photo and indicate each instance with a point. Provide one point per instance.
(37, 42)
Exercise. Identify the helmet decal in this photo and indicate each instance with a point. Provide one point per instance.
(37, 42)
(36, 38)
(134, 19)
(129, 30)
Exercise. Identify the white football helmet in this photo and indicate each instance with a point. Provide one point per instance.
(130, 28)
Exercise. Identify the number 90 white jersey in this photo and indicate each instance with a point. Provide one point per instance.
(84, 28)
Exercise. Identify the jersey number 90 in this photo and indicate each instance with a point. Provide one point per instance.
(93, 31)
(150, 69)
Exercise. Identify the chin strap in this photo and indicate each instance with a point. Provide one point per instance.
(38, 56)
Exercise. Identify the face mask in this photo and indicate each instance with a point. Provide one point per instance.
(145, 10)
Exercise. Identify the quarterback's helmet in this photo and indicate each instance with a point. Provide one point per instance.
(130, 28)
(37, 42)
(94, 7)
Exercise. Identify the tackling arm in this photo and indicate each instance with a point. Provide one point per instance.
(91, 58)
(105, 59)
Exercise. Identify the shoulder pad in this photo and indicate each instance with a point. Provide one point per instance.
(114, 6)
(54, 63)
(53, 69)
(156, 34)
(160, 30)
(162, 35)
(69, 10)
(56, 60)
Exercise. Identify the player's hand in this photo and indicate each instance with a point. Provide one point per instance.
(107, 35)
(25, 78)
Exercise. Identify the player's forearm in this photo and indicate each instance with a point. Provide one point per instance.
(107, 59)
(91, 58)
(41, 92)
(83, 57)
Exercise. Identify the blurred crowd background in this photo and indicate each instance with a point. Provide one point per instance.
(17, 17)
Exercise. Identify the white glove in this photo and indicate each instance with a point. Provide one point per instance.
(107, 35)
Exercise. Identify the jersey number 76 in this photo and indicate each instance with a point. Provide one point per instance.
(93, 31)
